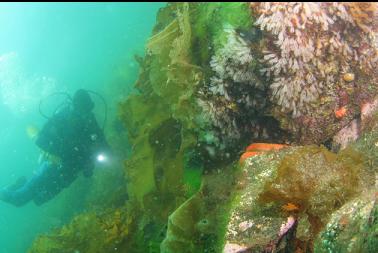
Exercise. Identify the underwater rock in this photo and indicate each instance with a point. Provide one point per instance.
(235, 100)
(312, 179)
(347, 135)
(265, 226)
(233, 248)
(307, 73)
(352, 131)
(316, 180)
(353, 228)
(335, 211)
(319, 57)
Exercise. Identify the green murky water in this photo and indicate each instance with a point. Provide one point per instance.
(55, 47)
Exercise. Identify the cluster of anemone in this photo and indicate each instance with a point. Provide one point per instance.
(232, 62)
(234, 94)
(310, 45)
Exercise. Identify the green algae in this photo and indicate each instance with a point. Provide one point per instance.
(312, 178)
(221, 16)
(353, 228)
(162, 119)
(192, 181)
(317, 181)
(335, 194)
(94, 233)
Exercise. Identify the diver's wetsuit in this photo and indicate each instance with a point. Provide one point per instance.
(75, 138)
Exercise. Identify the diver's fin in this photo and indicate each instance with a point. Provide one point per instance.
(18, 184)
(32, 131)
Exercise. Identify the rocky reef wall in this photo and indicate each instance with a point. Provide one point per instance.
(217, 77)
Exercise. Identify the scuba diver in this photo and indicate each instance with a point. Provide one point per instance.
(70, 141)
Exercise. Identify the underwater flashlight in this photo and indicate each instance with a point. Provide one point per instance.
(101, 158)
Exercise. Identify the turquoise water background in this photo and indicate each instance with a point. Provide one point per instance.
(49, 47)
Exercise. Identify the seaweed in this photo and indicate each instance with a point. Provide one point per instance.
(103, 232)
(317, 181)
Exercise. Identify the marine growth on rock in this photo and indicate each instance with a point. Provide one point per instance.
(234, 101)
(311, 44)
